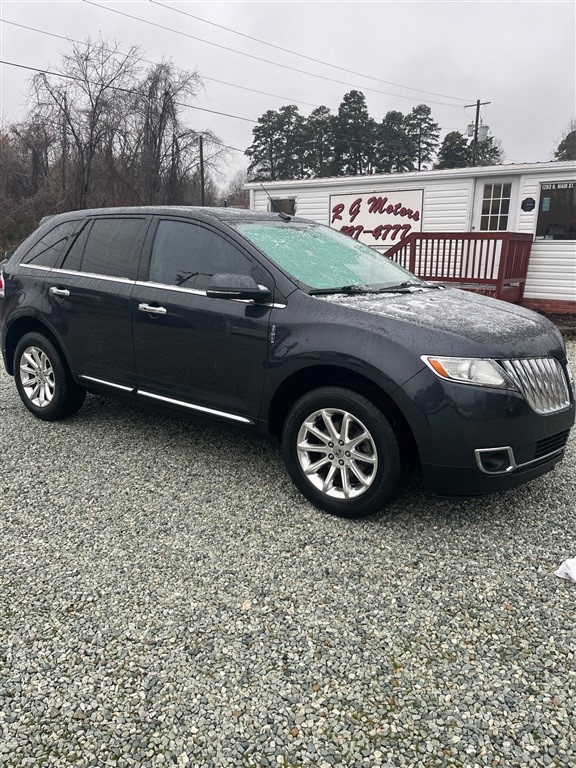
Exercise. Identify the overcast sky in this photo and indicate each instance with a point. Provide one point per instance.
(520, 56)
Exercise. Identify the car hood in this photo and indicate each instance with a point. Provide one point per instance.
(482, 323)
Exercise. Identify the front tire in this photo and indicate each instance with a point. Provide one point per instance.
(43, 380)
(341, 452)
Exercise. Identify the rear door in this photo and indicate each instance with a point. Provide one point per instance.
(88, 299)
(203, 354)
(36, 263)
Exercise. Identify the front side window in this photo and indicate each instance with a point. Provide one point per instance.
(46, 251)
(557, 211)
(321, 257)
(108, 247)
(495, 207)
(189, 255)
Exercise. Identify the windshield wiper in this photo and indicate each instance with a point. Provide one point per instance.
(400, 288)
(406, 286)
(343, 289)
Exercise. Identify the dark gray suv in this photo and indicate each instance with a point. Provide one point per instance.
(286, 327)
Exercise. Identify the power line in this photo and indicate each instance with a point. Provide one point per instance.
(132, 91)
(258, 58)
(125, 90)
(154, 63)
(179, 103)
(302, 55)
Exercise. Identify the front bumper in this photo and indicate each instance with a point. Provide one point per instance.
(474, 440)
(465, 481)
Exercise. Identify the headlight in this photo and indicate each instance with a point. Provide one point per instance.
(469, 370)
(571, 377)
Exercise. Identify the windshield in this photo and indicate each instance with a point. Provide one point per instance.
(323, 258)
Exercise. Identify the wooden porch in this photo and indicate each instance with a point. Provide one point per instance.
(491, 263)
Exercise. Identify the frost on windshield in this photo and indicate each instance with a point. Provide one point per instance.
(320, 257)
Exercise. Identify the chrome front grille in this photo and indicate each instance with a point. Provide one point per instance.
(541, 380)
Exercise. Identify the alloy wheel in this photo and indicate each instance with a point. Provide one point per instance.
(37, 376)
(337, 453)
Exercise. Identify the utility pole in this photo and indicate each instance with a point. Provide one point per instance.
(271, 156)
(419, 146)
(475, 140)
(201, 171)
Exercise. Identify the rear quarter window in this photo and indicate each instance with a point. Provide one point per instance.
(47, 250)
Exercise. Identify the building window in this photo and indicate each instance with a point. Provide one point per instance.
(557, 211)
(495, 207)
(284, 204)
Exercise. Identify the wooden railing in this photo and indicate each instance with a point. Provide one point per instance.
(494, 263)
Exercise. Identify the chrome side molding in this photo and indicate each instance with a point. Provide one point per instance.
(194, 407)
(171, 400)
(108, 383)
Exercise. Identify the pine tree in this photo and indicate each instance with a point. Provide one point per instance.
(292, 143)
(454, 151)
(354, 131)
(425, 133)
(263, 150)
(489, 152)
(278, 150)
(566, 149)
(394, 148)
(319, 140)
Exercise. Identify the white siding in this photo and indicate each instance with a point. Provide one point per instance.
(552, 271)
(447, 205)
(446, 201)
(529, 187)
(313, 204)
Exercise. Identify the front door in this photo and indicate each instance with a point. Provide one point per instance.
(192, 351)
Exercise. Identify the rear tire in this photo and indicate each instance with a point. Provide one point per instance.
(43, 379)
(341, 452)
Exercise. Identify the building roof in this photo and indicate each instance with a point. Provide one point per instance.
(552, 167)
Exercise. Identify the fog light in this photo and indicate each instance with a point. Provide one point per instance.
(495, 461)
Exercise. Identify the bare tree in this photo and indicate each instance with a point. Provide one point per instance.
(234, 194)
(87, 108)
(105, 132)
(163, 139)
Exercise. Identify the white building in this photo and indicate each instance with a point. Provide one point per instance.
(538, 199)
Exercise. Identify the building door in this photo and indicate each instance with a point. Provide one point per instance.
(495, 203)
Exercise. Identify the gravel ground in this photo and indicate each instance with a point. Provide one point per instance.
(167, 598)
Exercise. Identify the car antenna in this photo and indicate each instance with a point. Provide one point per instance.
(275, 204)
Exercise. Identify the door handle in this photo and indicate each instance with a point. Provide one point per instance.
(59, 291)
(151, 310)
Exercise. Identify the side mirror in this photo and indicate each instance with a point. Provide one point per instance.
(7, 254)
(236, 287)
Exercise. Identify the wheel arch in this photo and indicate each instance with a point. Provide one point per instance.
(18, 329)
(314, 377)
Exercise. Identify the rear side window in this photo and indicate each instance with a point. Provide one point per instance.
(46, 251)
(189, 255)
(109, 247)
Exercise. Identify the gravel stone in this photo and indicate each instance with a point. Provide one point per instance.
(168, 598)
